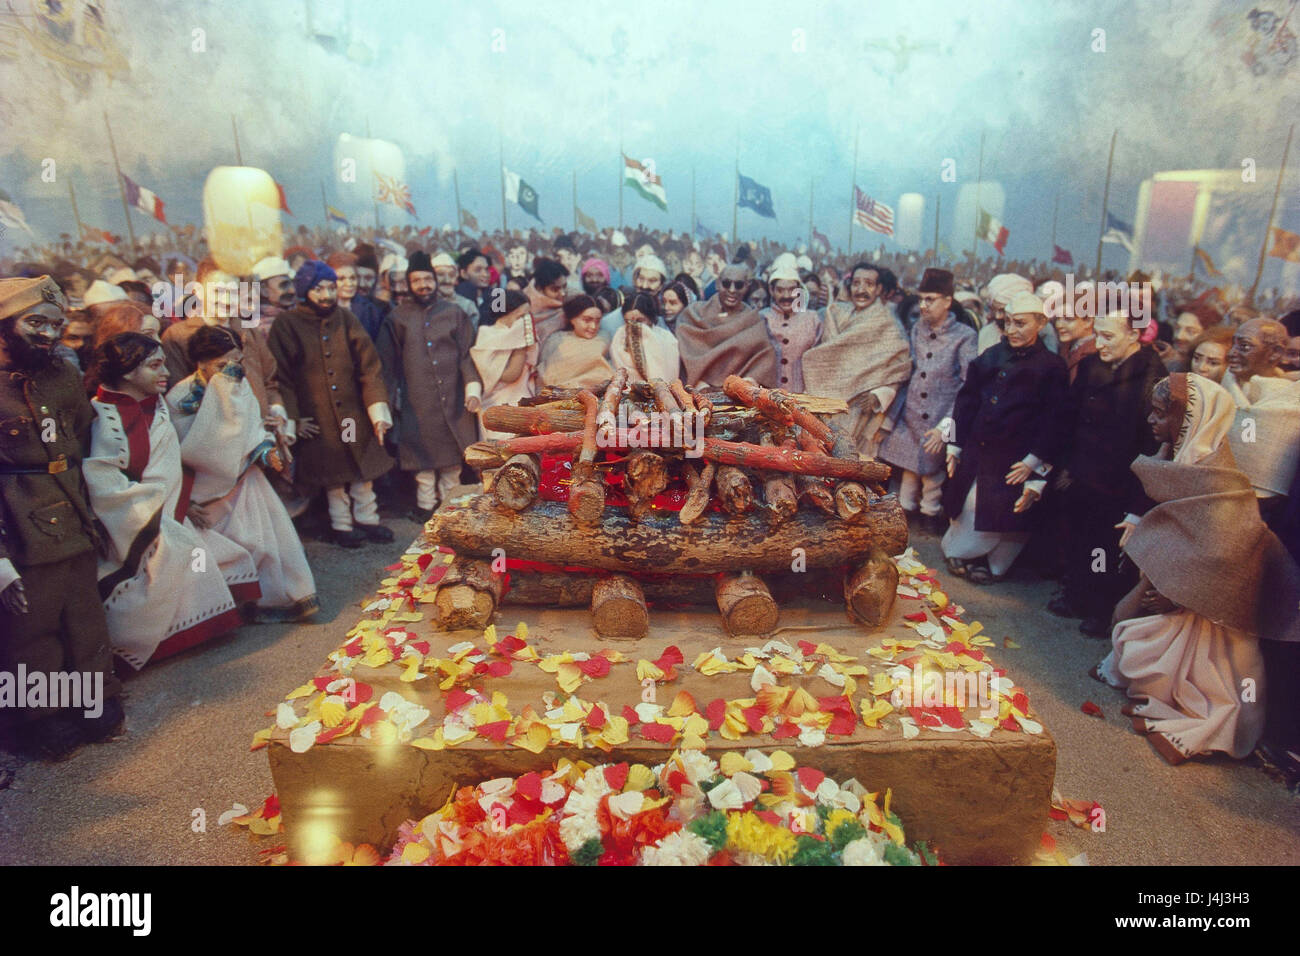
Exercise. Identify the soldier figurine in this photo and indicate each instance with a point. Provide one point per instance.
(51, 618)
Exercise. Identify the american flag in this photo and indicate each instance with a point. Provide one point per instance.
(874, 215)
(392, 190)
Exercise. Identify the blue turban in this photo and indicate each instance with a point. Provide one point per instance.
(310, 274)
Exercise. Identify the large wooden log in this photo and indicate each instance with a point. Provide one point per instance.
(587, 489)
(515, 485)
(574, 589)
(700, 486)
(779, 407)
(618, 608)
(547, 532)
(779, 492)
(817, 404)
(870, 589)
(735, 492)
(850, 500)
(746, 605)
(815, 492)
(467, 595)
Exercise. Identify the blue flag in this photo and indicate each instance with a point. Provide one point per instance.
(755, 197)
(703, 231)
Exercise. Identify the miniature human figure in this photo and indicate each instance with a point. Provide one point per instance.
(51, 617)
(577, 357)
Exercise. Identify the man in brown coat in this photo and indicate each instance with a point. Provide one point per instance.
(51, 619)
(333, 387)
(433, 383)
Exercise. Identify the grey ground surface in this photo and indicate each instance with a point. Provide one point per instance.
(191, 718)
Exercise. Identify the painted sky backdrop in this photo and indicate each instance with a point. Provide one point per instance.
(1188, 84)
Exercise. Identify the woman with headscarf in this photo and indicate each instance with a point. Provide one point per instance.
(722, 336)
(168, 582)
(226, 445)
(505, 352)
(1214, 578)
(648, 351)
(674, 297)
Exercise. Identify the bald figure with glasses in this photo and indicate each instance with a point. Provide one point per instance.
(723, 336)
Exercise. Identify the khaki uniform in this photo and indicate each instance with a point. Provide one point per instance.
(47, 529)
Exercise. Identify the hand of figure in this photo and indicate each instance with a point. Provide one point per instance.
(274, 461)
(307, 428)
(1153, 602)
(381, 429)
(472, 404)
(933, 443)
(1063, 480)
(952, 465)
(1126, 531)
(198, 517)
(14, 598)
(1026, 500)
(1162, 349)
(1018, 473)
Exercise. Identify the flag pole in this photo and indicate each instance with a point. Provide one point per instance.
(575, 200)
(810, 214)
(72, 194)
(121, 186)
(1268, 226)
(735, 201)
(1105, 202)
(1056, 208)
(370, 148)
(979, 183)
(501, 156)
(622, 172)
(239, 156)
(455, 185)
(938, 200)
(325, 206)
(692, 226)
(853, 187)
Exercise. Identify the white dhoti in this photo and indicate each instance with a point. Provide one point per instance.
(963, 542)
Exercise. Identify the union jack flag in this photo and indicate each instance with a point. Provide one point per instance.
(392, 190)
(874, 215)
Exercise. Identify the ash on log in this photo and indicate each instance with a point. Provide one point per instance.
(515, 485)
(618, 608)
(645, 475)
(870, 590)
(746, 605)
(467, 595)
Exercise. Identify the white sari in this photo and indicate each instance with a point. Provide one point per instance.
(491, 354)
(165, 584)
(222, 436)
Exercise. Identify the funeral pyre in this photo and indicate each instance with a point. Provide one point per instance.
(655, 491)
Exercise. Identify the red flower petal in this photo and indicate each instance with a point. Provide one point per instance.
(616, 776)
(786, 731)
(924, 717)
(457, 699)
(661, 733)
(594, 666)
(596, 717)
(1021, 702)
(808, 648)
(919, 617)
(630, 716)
(676, 780)
(500, 668)
(842, 725)
(767, 816)
(496, 730)
(1092, 710)
(754, 718)
(529, 786)
(436, 574)
(424, 561)
(716, 712)
(810, 778)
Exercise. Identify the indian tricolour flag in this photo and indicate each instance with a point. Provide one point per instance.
(990, 228)
(641, 177)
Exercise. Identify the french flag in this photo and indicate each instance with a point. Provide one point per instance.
(143, 199)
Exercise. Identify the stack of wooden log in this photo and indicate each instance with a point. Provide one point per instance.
(791, 493)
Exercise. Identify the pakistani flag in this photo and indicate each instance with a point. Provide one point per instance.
(11, 215)
(756, 197)
(641, 177)
(518, 191)
(992, 229)
(585, 221)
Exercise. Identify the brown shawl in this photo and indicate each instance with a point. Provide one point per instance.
(548, 313)
(714, 345)
(858, 351)
(574, 362)
(1205, 547)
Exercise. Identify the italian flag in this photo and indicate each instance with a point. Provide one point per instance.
(992, 230)
(641, 177)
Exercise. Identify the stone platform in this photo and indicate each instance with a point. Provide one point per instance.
(978, 791)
